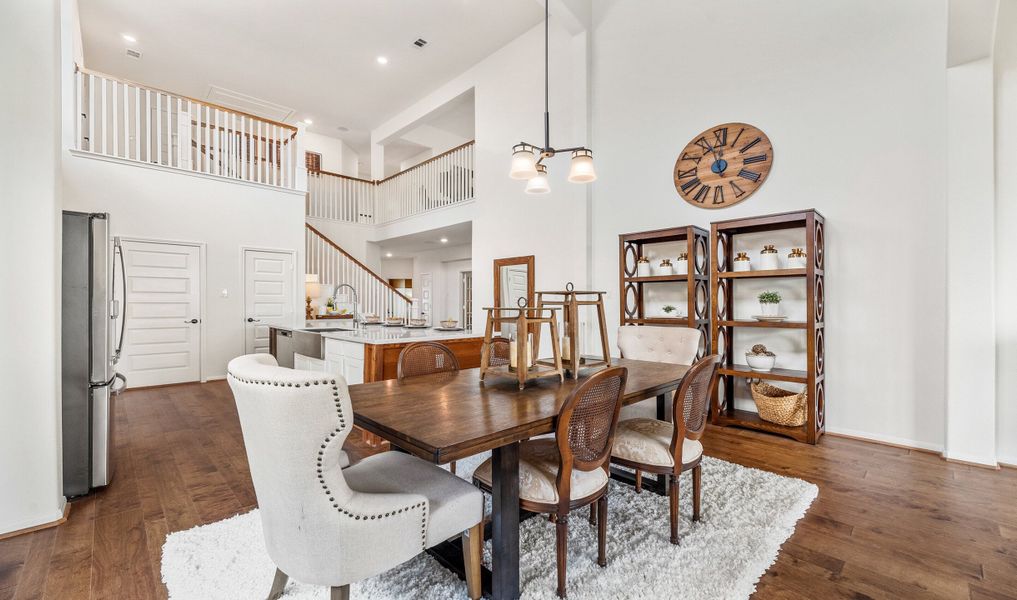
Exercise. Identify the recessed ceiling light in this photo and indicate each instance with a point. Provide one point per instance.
(443, 240)
(129, 38)
(382, 60)
(308, 121)
(388, 255)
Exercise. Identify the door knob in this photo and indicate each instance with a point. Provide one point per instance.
(192, 321)
(253, 320)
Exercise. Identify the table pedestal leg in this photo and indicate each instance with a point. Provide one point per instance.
(505, 522)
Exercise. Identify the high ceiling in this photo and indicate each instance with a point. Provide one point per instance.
(316, 57)
(409, 246)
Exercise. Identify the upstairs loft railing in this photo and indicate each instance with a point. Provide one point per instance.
(335, 266)
(129, 121)
(443, 180)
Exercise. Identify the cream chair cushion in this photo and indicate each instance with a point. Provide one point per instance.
(678, 345)
(648, 442)
(453, 504)
(538, 474)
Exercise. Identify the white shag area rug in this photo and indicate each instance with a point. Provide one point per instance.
(746, 515)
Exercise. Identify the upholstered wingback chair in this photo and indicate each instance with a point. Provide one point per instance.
(328, 526)
(678, 345)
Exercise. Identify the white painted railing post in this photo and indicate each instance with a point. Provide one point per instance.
(184, 140)
(298, 161)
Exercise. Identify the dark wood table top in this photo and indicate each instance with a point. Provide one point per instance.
(450, 416)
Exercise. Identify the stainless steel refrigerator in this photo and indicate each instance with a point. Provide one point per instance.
(93, 270)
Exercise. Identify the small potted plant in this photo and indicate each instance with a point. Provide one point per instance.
(769, 303)
(668, 309)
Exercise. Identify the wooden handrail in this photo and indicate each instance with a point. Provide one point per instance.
(432, 159)
(357, 262)
(377, 181)
(168, 93)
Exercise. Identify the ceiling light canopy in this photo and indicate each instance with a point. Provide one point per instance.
(526, 165)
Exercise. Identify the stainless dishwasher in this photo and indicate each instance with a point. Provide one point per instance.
(283, 347)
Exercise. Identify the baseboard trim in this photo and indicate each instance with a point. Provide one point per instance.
(972, 463)
(887, 441)
(40, 527)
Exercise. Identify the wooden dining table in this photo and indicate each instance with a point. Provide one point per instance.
(450, 416)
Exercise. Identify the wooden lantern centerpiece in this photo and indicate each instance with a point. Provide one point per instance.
(525, 367)
(569, 301)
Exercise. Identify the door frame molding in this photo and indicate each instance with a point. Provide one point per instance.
(297, 299)
(202, 287)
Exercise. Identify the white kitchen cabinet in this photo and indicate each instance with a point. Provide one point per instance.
(306, 363)
(346, 359)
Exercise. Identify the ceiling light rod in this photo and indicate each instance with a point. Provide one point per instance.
(524, 163)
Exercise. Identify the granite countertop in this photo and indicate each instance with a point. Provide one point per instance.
(379, 334)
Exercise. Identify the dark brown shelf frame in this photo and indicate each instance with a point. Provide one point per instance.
(632, 245)
(723, 323)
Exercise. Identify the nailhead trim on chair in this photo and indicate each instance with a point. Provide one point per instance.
(321, 454)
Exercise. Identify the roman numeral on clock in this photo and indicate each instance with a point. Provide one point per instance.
(687, 156)
(718, 195)
(735, 141)
(689, 173)
(690, 185)
(750, 175)
(738, 192)
(702, 143)
(749, 146)
(720, 137)
(702, 193)
(754, 159)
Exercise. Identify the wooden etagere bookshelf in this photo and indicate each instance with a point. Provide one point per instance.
(697, 291)
(724, 324)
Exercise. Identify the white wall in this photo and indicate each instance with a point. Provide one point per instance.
(336, 155)
(1006, 223)
(443, 265)
(970, 299)
(509, 106)
(30, 476)
(396, 268)
(161, 205)
(852, 96)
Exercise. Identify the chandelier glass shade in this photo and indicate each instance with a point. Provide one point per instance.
(538, 183)
(524, 162)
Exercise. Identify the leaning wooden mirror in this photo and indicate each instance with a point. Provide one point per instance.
(513, 279)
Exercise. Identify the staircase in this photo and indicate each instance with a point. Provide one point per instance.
(335, 266)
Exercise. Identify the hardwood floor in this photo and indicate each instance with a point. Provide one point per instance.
(888, 523)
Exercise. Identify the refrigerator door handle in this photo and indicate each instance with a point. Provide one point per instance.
(118, 250)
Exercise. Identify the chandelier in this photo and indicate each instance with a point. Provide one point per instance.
(526, 165)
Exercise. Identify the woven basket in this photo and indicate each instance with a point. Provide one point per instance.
(779, 406)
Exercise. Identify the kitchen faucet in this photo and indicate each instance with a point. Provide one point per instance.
(356, 302)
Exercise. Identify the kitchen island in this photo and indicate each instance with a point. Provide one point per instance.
(367, 353)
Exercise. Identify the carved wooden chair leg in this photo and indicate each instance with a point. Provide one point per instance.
(673, 497)
(697, 490)
(639, 481)
(278, 584)
(562, 531)
(593, 513)
(601, 530)
(340, 593)
(473, 543)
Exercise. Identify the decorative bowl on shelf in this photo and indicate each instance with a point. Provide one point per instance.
(449, 323)
(760, 359)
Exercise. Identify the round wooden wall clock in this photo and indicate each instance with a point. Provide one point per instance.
(723, 165)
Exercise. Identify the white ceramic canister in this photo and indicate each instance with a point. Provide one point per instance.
(768, 258)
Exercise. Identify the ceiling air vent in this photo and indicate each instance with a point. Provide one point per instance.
(420, 43)
(133, 53)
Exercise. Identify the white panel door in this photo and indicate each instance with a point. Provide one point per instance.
(268, 295)
(162, 338)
